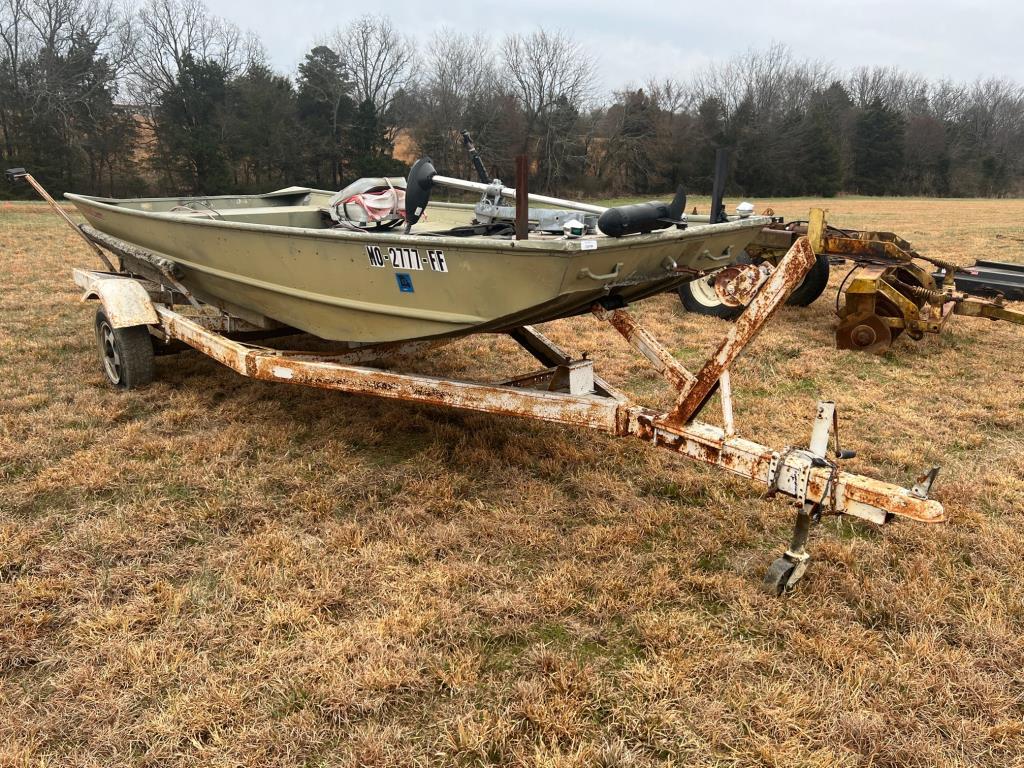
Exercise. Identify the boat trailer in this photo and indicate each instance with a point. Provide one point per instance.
(144, 309)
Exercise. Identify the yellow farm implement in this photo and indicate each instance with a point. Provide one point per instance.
(888, 291)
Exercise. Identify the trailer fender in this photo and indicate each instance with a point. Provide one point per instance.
(125, 301)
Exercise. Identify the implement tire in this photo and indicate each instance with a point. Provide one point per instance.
(813, 285)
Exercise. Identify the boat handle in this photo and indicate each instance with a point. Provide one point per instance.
(585, 272)
(726, 254)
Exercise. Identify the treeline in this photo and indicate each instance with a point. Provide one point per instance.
(169, 99)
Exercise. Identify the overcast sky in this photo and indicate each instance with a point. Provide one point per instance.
(955, 39)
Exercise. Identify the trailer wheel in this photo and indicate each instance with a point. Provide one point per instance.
(699, 297)
(779, 576)
(813, 285)
(126, 353)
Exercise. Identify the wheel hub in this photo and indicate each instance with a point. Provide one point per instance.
(111, 356)
(865, 333)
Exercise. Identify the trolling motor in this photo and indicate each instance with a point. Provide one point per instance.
(644, 217)
(614, 222)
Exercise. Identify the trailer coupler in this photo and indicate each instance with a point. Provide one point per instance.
(807, 475)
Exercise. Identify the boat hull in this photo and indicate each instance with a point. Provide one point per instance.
(378, 287)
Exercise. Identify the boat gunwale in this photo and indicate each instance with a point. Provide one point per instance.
(569, 247)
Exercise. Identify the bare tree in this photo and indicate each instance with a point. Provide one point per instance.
(168, 31)
(552, 78)
(13, 20)
(378, 60)
(893, 88)
(56, 27)
(669, 95)
(544, 68)
(947, 100)
(457, 90)
(769, 82)
(61, 67)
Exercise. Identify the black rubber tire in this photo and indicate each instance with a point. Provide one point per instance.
(126, 354)
(776, 578)
(813, 285)
(698, 296)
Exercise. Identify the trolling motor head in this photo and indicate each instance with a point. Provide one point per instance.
(644, 217)
(15, 174)
(417, 190)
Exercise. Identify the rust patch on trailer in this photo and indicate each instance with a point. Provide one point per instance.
(737, 285)
(882, 495)
(855, 495)
(125, 301)
(609, 412)
(647, 345)
(784, 279)
(595, 411)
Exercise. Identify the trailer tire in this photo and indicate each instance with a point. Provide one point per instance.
(698, 296)
(813, 285)
(126, 354)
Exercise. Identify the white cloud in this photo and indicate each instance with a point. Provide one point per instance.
(954, 39)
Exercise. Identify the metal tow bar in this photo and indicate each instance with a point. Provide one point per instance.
(807, 475)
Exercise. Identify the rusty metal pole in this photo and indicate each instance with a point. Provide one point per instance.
(522, 198)
(725, 390)
(787, 276)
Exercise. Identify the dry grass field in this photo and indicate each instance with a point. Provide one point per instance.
(214, 571)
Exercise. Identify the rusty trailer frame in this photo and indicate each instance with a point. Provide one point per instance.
(564, 391)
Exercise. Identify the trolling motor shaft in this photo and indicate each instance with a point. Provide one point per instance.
(474, 156)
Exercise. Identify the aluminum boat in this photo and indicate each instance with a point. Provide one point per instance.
(353, 266)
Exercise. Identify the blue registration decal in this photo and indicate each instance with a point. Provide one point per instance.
(404, 282)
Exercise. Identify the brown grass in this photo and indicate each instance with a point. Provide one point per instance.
(215, 571)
